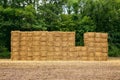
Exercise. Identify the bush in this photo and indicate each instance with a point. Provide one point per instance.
(114, 51)
(4, 55)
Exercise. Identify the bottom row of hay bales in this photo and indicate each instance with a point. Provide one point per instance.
(62, 56)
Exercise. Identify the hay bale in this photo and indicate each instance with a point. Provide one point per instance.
(64, 44)
(84, 58)
(104, 45)
(83, 48)
(84, 54)
(104, 35)
(98, 54)
(91, 58)
(23, 34)
(30, 54)
(97, 35)
(98, 49)
(15, 53)
(91, 54)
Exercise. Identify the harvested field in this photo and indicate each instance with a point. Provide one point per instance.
(60, 70)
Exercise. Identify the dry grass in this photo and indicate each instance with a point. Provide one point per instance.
(60, 70)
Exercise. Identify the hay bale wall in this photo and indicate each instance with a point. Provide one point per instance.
(43, 45)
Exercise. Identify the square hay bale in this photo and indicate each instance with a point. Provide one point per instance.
(30, 39)
(64, 44)
(15, 49)
(15, 58)
(43, 48)
(90, 34)
(72, 49)
(71, 38)
(98, 40)
(80, 53)
(43, 58)
(98, 49)
(86, 36)
(24, 39)
(57, 44)
(14, 53)
(50, 53)
(43, 43)
(23, 43)
(30, 54)
(83, 48)
(98, 58)
(29, 58)
(50, 43)
(36, 53)
(78, 49)
(50, 38)
(43, 53)
(36, 48)
(64, 34)
(15, 33)
(37, 33)
(91, 58)
(97, 35)
(64, 49)
(104, 40)
(104, 35)
(91, 54)
(37, 38)
(58, 53)
(44, 33)
(57, 49)
(36, 43)
(98, 54)
(104, 58)
(84, 58)
(71, 34)
(16, 39)
(65, 38)
(90, 44)
(65, 54)
(23, 58)
(30, 34)
(23, 34)
(57, 34)
(104, 54)
(50, 49)
(57, 39)
(23, 53)
(44, 38)
(71, 43)
(91, 40)
(36, 58)
(98, 44)
(104, 45)
(84, 54)
(23, 48)
(15, 44)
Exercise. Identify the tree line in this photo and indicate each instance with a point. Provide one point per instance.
(61, 15)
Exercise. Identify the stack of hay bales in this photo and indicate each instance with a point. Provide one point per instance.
(97, 45)
(101, 46)
(68, 44)
(15, 37)
(43, 45)
(30, 46)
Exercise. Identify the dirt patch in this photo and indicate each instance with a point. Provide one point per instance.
(59, 70)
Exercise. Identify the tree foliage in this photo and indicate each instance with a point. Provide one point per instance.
(61, 15)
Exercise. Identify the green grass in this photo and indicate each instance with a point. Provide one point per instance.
(4, 55)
